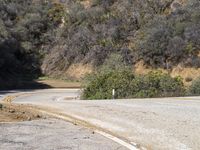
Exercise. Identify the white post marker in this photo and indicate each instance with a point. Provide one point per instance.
(113, 93)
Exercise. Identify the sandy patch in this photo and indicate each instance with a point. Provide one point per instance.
(78, 71)
(16, 113)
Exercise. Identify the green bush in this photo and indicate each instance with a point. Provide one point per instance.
(128, 85)
(100, 85)
(158, 84)
(195, 87)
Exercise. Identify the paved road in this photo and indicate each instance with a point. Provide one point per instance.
(51, 134)
(159, 124)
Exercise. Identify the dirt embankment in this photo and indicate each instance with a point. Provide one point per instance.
(16, 113)
(188, 74)
(56, 83)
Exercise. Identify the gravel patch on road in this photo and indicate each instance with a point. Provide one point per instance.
(52, 134)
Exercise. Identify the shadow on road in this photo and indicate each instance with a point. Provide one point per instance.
(23, 85)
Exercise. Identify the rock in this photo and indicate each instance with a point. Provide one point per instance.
(29, 119)
(38, 116)
(1, 106)
(12, 111)
(188, 79)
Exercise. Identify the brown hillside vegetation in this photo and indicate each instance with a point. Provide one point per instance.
(70, 38)
(187, 73)
(91, 52)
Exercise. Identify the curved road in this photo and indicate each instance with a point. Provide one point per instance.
(159, 124)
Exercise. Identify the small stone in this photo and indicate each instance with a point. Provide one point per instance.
(12, 111)
(1, 106)
(29, 118)
(188, 79)
(38, 116)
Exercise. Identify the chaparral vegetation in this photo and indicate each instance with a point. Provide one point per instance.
(70, 38)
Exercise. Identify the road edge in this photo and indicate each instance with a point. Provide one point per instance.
(96, 129)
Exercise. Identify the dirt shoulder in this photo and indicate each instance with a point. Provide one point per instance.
(55, 83)
(16, 113)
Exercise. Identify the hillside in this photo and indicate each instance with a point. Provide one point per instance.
(70, 38)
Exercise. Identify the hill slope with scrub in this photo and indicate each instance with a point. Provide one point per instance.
(70, 38)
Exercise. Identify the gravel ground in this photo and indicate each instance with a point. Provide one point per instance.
(16, 113)
(51, 134)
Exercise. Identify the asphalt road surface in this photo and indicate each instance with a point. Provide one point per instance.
(158, 124)
(51, 134)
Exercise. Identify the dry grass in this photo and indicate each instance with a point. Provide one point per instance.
(78, 71)
(184, 72)
(86, 3)
(55, 83)
(140, 68)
